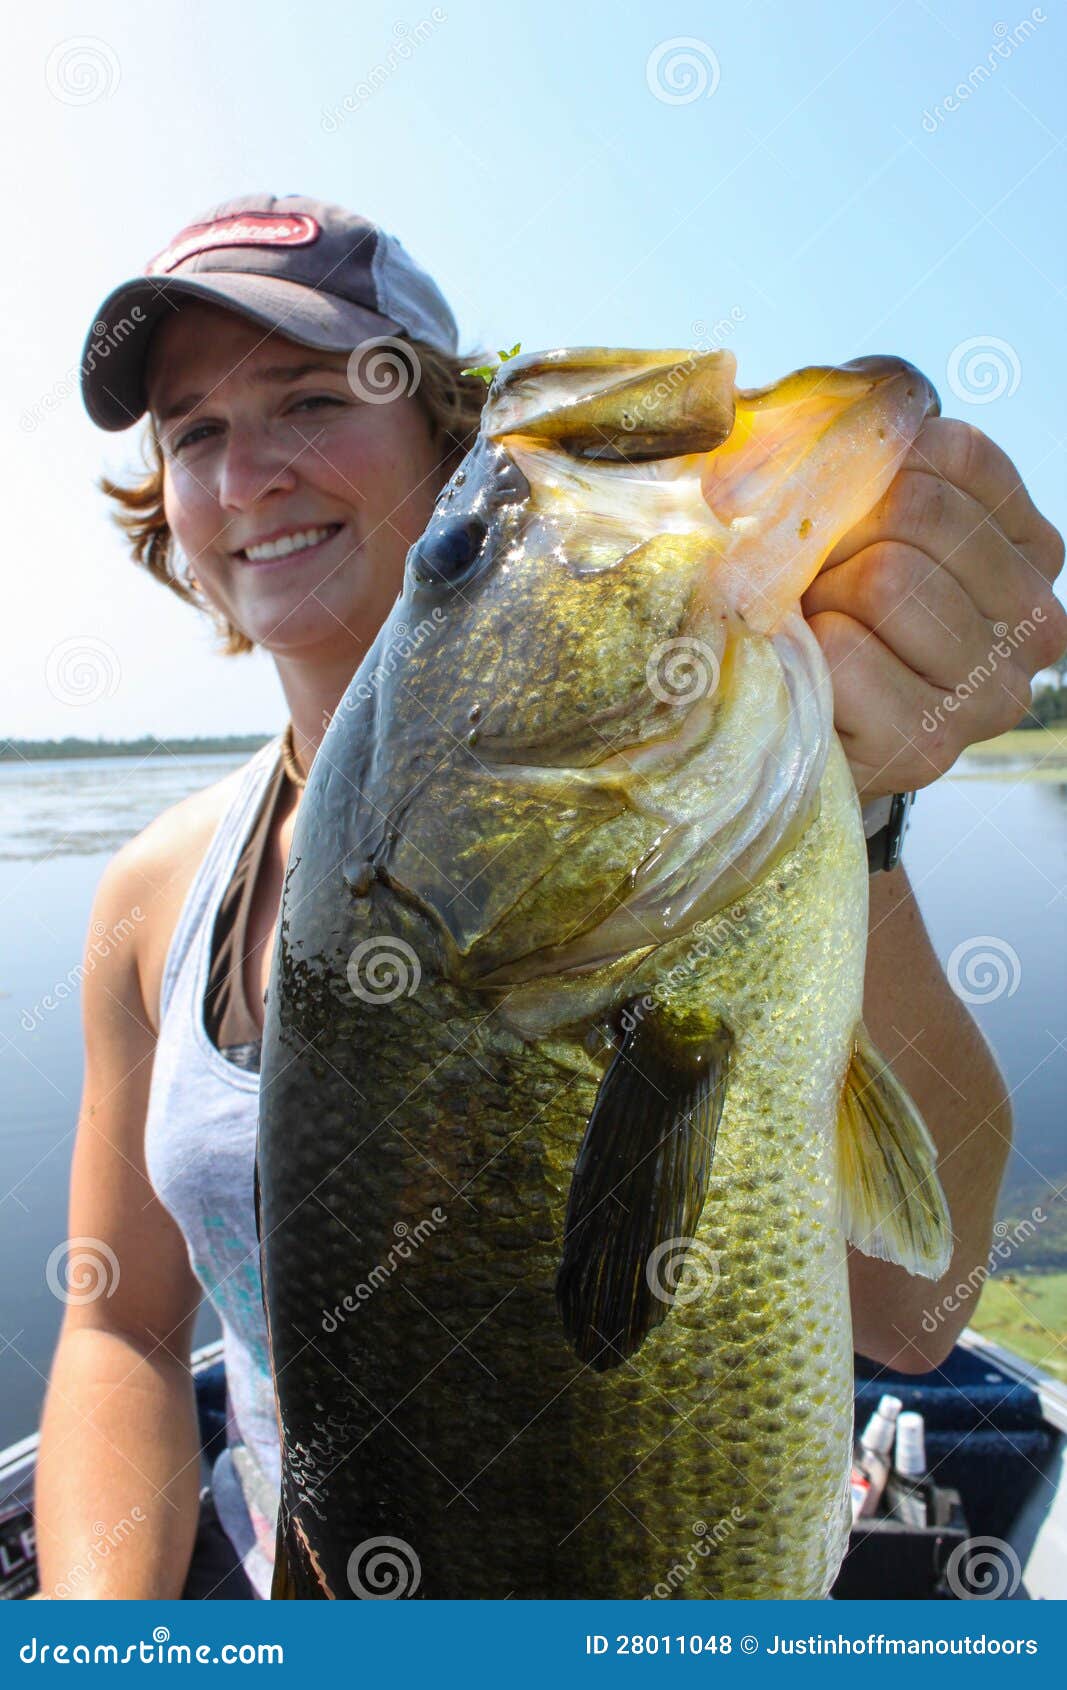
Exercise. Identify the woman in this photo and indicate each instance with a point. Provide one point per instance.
(295, 495)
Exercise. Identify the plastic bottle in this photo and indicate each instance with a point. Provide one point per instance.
(907, 1489)
(870, 1465)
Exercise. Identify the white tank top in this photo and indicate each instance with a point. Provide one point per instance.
(200, 1147)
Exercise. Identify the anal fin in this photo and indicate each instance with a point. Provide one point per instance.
(639, 1182)
(892, 1204)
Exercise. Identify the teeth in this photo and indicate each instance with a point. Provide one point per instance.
(288, 543)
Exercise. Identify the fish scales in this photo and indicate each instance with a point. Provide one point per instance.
(672, 1444)
(419, 1145)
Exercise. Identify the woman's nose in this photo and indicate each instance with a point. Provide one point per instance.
(253, 465)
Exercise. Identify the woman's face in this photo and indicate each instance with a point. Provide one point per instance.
(257, 447)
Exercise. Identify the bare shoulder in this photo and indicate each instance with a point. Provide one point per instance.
(144, 886)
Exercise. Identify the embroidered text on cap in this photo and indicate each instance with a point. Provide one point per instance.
(249, 228)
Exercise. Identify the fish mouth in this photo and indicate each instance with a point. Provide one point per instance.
(620, 406)
(735, 530)
(878, 402)
(771, 476)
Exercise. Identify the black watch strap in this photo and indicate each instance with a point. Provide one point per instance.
(885, 822)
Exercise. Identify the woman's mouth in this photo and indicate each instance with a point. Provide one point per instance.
(300, 542)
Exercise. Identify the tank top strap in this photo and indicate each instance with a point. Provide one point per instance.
(219, 861)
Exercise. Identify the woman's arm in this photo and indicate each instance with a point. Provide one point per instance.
(925, 1032)
(119, 1454)
(934, 614)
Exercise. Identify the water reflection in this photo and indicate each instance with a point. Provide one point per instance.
(79, 806)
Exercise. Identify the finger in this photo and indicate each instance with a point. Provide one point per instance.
(899, 732)
(919, 610)
(878, 709)
(926, 512)
(967, 458)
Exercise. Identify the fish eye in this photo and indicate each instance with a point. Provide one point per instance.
(449, 548)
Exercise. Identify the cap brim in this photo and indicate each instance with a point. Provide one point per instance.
(116, 348)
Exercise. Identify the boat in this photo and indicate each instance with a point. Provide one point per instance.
(996, 1438)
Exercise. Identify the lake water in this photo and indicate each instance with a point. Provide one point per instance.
(988, 858)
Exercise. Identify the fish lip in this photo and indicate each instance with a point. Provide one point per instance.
(885, 367)
(616, 405)
(879, 368)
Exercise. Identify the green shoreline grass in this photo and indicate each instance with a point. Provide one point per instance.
(1022, 754)
(1027, 1313)
(1024, 742)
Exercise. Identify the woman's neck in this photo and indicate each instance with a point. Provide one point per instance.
(313, 690)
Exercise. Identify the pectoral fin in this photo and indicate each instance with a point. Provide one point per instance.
(639, 1182)
(892, 1204)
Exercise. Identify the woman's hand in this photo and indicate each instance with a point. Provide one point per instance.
(936, 611)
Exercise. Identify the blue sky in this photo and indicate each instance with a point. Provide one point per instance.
(622, 174)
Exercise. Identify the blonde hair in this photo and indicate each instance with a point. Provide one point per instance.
(451, 401)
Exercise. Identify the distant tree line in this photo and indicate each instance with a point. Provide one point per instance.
(37, 750)
(1049, 704)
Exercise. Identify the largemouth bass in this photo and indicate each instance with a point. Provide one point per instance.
(568, 1110)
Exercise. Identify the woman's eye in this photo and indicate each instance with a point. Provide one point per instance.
(318, 399)
(200, 431)
(191, 435)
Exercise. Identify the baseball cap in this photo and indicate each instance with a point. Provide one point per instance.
(322, 276)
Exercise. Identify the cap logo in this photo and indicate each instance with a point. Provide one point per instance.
(248, 228)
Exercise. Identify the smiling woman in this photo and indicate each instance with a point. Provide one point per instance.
(305, 404)
(308, 394)
(286, 481)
